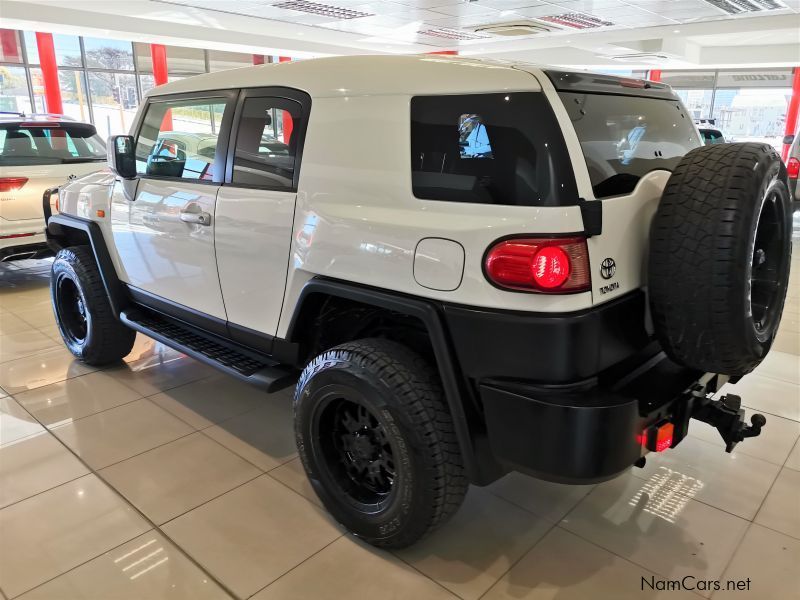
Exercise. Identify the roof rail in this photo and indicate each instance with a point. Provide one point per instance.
(12, 112)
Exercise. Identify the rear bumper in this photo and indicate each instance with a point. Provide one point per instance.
(25, 238)
(547, 348)
(592, 432)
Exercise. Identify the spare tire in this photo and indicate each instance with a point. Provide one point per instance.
(720, 248)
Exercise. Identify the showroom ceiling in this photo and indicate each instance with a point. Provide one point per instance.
(620, 34)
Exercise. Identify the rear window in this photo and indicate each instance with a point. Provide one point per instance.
(41, 145)
(625, 137)
(489, 149)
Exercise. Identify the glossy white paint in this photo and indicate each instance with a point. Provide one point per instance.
(350, 76)
(355, 217)
(21, 210)
(439, 264)
(253, 232)
(161, 254)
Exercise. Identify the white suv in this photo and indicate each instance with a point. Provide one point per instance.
(468, 267)
(38, 152)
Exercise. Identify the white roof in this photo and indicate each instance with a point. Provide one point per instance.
(368, 75)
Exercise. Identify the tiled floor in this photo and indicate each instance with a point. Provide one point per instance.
(161, 478)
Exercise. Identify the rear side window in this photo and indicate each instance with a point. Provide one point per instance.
(625, 137)
(35, 144)
(266, 143)
(178, 139)
(489, 149)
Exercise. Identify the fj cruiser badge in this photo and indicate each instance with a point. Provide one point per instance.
(607, 268)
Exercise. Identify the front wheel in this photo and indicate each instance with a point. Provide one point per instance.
(377, 441)
(83, 314)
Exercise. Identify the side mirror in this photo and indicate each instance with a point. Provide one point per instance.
(788, 139)
(121, 156)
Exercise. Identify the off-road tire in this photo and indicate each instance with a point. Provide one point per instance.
(703, 257)
(106, 340)
(402, 391)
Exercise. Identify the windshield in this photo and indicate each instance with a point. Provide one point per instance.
(34, 144)
(625, 137)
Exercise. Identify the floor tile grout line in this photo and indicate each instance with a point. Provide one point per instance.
(114, 490)
(38, 585)
(39, 493)
(52, 427)
(259, 590)
(178, 516)
(516, 562)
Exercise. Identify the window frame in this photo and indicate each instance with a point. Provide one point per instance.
(221, 154)
(277, 93)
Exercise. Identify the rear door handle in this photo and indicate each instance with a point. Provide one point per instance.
(196, 218)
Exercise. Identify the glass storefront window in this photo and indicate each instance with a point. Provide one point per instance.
(68, 50)
(114, 102)
(221, 61)
(108, 54)
(697, 102)
(10, 49)
(37, 84)
(31, 49)
(73, 94)
(14, 90)
(752, 115)
(144, 61)
(186, 60)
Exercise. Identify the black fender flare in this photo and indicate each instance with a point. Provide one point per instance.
(57, 232)
(429, 314)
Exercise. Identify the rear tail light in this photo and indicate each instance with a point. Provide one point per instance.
(12, 184)
(658, 438)
(544, 265)
(793, 168)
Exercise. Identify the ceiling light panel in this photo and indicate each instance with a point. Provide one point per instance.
(576, 20)
(338, 13)
(735, 7)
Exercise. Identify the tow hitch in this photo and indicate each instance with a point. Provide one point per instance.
(726, 415)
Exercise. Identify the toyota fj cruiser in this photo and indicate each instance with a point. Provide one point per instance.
(467, 267)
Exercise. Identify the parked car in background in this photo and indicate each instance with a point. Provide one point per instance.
(711, 136)
(709, 132)
(793, 169)
(38, 152)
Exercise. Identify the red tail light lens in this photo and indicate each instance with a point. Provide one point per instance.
(12, 184)
(793, 168)
(548, 266)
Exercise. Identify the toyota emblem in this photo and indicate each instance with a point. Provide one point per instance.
(607, 268)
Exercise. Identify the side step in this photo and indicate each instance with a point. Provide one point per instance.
(221, 354)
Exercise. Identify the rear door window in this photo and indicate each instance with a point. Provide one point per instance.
(267, 141)
(47, 143)
(625, 137)
(489, 149)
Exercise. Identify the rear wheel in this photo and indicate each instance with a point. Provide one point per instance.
(719, 258)
(83, 313)
(377, 441)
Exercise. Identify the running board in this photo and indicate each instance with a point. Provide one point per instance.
(243, 364)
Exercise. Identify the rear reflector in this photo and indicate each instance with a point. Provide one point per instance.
(547, 266)
(12, 184)
(658, 438)
(793, 168)
(15, 235)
